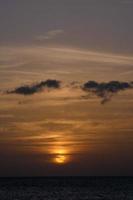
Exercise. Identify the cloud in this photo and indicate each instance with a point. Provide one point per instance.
(29, 90)
(106, 90)
(15, 57)
(49, 35)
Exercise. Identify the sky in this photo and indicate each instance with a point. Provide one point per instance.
(82, 123)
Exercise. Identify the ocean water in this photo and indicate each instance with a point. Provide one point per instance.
(67, 188)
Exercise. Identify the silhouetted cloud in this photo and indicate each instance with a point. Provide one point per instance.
(106, 90)
(29, 90)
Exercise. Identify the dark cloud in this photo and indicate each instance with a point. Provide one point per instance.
(106, 90)
(29, 90)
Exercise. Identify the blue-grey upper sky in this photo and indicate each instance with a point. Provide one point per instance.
(104, 25)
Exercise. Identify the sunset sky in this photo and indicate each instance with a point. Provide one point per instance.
(66, 130)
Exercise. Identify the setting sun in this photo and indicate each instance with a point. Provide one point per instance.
(61, 156)
(60, 159)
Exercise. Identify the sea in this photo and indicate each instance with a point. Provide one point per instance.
(66, 188)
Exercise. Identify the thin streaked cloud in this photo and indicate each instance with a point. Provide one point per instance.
(62, 54)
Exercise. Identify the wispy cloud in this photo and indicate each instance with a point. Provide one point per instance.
(11, 56)
(49, 35)
(21, 65)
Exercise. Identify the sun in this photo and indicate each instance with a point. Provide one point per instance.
(60, 159)
(60, 156)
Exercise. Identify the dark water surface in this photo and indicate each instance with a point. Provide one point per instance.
(67, 188)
